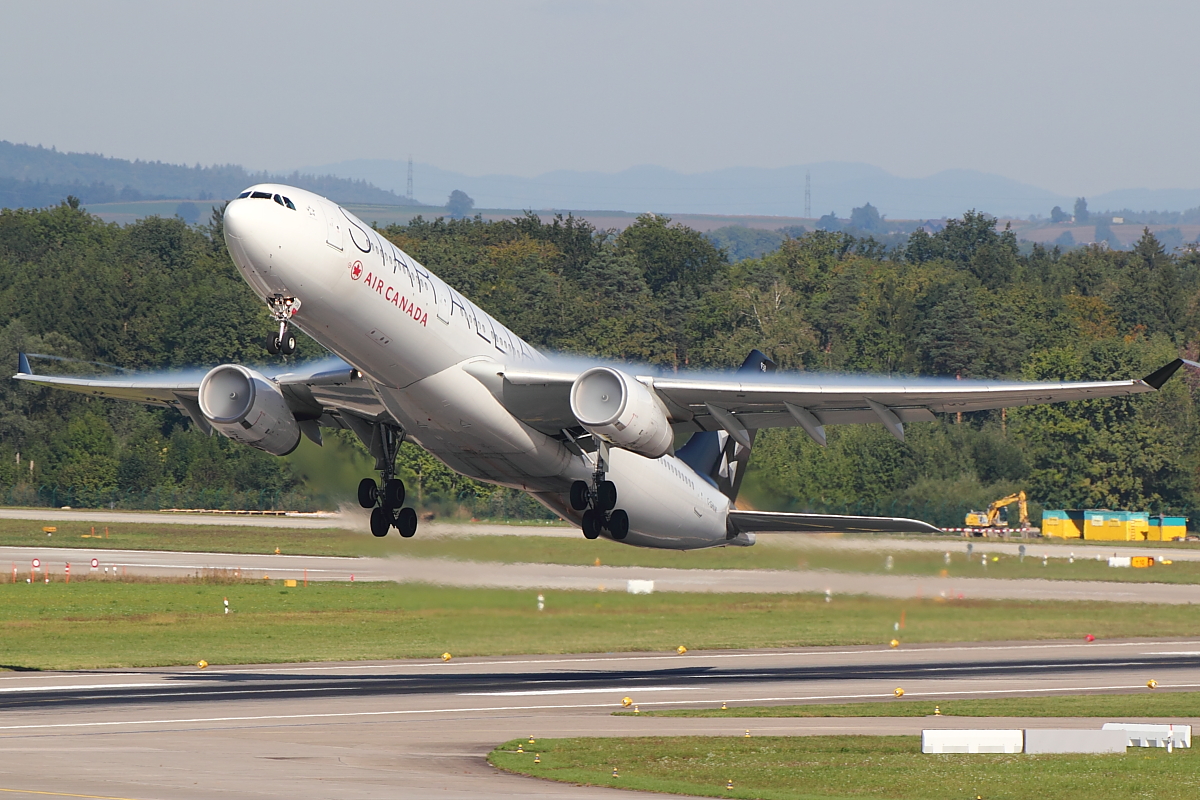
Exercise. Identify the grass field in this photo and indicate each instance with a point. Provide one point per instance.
(842, 767)
(192, 538)
(97, 623)
(1145, 703)
(777, 555)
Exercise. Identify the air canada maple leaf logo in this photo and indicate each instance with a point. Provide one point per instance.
(356, 270)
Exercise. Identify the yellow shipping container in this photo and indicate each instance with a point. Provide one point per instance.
(1167, 529)
(1063, 524)
(1121, 526)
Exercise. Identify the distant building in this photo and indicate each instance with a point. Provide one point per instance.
(932, 226)
(1118, 220)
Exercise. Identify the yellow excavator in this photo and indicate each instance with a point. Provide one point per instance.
(991, 517)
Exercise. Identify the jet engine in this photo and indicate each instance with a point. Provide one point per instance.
(243, 405)
(613, 406)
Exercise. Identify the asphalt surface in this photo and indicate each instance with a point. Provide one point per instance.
(422, 729)
(447, 572)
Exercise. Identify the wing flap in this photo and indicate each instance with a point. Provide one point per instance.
(934, 395)
(784, 522)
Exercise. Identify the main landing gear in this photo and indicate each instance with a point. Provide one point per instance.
(598, 502)
(282, 310)
(386, 499)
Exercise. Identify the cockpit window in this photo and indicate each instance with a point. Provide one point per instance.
(278, 198)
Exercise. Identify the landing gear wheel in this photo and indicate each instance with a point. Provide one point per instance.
(368, 493)
(618, 524)
(606, 496)
(592, 522)
(580, 495)
(287, 343)
(406, 522)
(393, 492)
(381, 521)
(273, 345)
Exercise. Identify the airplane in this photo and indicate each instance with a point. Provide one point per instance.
(594, 442)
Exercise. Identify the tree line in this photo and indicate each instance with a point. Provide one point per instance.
(966, 301)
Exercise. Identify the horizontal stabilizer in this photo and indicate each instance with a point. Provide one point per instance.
(781, 522)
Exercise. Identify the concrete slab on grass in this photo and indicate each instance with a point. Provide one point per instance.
(1066, 740)
(1145, 735)
(971, 741)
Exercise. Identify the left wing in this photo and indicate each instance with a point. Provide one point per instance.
(808, 400)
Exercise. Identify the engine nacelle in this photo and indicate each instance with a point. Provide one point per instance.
(243, 405)
(625, 413)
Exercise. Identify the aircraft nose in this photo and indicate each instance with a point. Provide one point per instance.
(237, 220)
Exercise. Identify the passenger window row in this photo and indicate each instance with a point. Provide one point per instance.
(283, 201)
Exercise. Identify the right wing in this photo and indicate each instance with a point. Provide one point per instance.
(782, 522)
(330, 392)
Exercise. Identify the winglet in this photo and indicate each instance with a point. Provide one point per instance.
(23, 365)
(1160, 376)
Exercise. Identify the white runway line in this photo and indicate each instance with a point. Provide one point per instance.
(274, 717)
(920, 694)
(88, 686)
(508, 709)
(696, 655)
(614, 690)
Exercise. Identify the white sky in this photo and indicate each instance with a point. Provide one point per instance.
(1076, 97)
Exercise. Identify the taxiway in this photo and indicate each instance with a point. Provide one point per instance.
(422, 728)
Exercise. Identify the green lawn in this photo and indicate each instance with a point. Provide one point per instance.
(98, 623)
(191, 538)
(843, 767)
(777, 555)
(1145, 703)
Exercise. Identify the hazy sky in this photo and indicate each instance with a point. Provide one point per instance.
(1077, 97)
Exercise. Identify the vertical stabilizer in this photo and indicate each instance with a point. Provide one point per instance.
(714, 454)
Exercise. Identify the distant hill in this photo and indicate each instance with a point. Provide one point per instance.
(36, 176)
(836, 187)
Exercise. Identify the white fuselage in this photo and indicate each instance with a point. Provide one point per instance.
(411, 335)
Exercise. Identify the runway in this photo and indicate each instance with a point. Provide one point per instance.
(421, 729)
(447, 572)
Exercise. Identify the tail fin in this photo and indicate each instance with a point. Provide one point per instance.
(714, 455)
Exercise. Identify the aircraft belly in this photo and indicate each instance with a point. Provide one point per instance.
(455, 417)
(664, 512)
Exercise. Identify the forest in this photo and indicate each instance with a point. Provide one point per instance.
(964, 302)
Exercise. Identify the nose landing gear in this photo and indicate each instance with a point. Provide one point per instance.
(598, 502)
(282, 310)
(387, 498)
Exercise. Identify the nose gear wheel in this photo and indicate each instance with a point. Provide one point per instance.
(282, 309)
